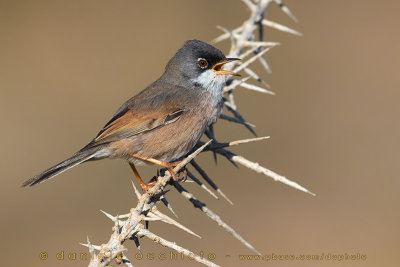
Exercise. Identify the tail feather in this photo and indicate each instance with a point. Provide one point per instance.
(76, 159)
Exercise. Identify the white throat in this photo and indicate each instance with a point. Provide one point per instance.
(212, 83)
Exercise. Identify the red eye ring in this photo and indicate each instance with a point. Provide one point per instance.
(202, 63)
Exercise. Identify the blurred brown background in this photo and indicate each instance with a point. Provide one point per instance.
(66, 66)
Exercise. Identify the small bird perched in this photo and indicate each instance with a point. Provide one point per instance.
(164, 121)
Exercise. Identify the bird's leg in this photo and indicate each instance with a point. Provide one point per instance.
(167, 165)
(170, 167)
(143, 185)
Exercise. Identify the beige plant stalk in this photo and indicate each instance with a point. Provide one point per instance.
(133, 224)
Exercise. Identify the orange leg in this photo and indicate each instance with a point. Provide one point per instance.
(143, 185)
(164, 164)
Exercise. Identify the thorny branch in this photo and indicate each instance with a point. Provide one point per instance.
(133, 225)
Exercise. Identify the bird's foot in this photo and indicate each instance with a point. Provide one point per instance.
(145, 187)
(173, 175)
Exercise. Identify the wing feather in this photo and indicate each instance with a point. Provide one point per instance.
(150, 109)
(129, 124)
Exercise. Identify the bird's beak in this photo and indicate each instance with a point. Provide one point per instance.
(217, 68)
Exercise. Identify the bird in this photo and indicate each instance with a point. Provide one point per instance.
(164, 121)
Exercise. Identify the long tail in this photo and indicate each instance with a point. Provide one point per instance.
(79, 157)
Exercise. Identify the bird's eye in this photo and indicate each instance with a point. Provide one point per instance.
(202, 63)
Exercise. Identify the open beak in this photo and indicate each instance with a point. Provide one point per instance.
(217, 68)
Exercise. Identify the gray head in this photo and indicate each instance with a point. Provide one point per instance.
(198, 64)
